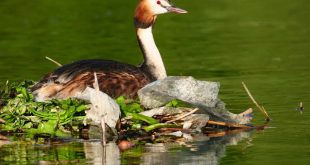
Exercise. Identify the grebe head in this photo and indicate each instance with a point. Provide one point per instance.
(147, 10)
(163, 6)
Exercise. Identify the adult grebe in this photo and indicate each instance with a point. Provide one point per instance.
(114, 78)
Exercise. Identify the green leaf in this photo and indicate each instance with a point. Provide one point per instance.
(146, 119)
(173, 103)
(28, 125)
(159, 125)
(82, 108)
(48, 127)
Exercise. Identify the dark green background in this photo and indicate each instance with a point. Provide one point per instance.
(262, 42)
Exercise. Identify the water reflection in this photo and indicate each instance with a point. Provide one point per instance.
(204, 150)
(97, 155)
(199, 149)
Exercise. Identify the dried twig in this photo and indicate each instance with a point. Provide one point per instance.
(183, 116)
(262, 109)
(55, 62)
(96, 86)
(223, 133)
(232, 125)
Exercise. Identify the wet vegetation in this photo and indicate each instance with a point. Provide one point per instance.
(22, 114)
(60, 118)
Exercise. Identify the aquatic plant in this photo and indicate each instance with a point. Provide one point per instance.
(19, 112)
(22, 114)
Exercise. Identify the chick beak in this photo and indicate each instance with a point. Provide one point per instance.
(173, 9)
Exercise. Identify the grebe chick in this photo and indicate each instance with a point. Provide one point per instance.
(115, 78)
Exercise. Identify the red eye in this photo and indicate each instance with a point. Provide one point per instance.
(158, 2)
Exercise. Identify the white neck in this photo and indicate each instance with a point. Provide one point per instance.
(152, 57)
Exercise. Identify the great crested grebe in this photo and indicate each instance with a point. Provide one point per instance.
(115, 78)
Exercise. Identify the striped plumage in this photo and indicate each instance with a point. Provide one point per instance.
(114, 78)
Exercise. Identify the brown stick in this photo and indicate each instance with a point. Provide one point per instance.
(262, 109)
(185, 115)
(216, 134)
(224, 133)
(233, 125)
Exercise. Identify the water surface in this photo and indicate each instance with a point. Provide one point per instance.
(262, 42)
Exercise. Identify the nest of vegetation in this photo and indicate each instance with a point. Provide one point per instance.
(20, 113)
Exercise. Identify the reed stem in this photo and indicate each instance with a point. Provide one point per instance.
(261, 108)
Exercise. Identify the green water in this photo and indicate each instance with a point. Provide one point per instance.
(262, 42)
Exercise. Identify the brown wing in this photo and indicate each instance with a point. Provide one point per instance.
(114, 84)
(115, 79)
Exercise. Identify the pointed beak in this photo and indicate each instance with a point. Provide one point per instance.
(173, 9)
